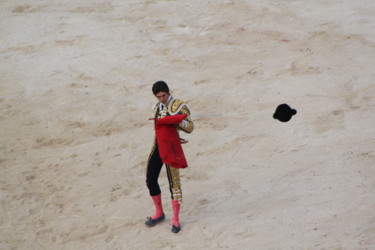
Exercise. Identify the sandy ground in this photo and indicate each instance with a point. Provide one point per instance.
(75, 92)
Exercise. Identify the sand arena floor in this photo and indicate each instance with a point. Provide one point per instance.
(75, 93)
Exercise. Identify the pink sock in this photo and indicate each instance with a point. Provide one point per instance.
(176, 211)
(158, 206)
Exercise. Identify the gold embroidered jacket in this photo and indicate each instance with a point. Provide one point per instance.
(174, 107)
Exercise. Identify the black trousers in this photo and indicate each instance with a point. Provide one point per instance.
(154, 166)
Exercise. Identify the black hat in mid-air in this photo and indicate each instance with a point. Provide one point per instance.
(284, 113)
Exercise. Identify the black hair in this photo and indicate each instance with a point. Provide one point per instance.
(160, 86)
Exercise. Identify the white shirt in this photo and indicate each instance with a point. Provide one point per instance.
(161, 105)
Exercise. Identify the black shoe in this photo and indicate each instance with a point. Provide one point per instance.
(176, 229)
(152, 222)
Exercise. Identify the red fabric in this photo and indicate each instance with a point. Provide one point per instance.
(169, 144)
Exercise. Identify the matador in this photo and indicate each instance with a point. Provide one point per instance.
(171, 116)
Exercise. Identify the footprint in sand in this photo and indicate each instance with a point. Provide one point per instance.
(22, 9)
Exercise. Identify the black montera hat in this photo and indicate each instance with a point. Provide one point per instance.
(284, 113)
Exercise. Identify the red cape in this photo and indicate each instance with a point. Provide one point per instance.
(169, 144)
